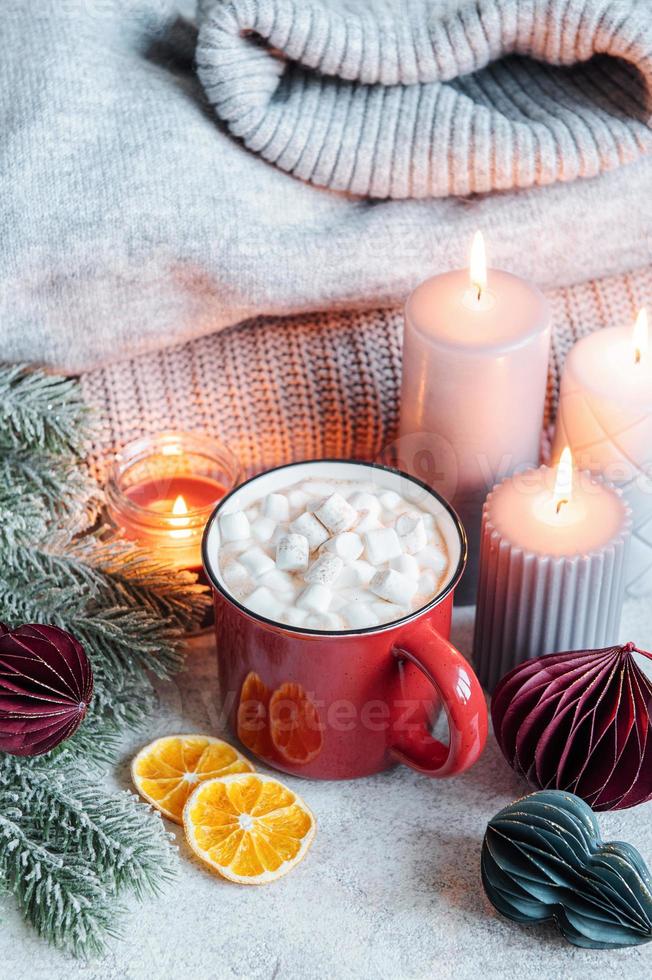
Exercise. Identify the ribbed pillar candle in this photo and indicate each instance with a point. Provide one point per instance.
(551, 570)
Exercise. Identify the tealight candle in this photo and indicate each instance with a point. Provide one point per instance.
(605, 416)
(162, 490)
(475, 365)
(552, 564)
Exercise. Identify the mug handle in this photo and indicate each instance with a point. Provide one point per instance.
(462, 698)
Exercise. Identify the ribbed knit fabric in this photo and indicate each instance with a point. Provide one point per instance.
(321, 385)
(132, 220)
(416, 98)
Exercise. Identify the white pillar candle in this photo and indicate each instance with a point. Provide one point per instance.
(605, 416)
(554, 545)
(475, 363)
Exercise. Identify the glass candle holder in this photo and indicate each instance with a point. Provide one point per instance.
(162, 489)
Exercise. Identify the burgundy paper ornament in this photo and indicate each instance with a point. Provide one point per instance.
(581, 722)
(46, 685)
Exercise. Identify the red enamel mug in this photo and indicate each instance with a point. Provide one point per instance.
(337, 705)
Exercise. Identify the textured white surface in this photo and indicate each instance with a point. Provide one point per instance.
(391, 887)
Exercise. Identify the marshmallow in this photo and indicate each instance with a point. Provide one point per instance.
(388, 611)
(369, 521)
(263, 529)
(393, 586)
(315, 598)
(412, 533)
(432, 557)
(265, 603)
(256, 561)
(427, 582)
(357, 573)
(406, 565)
(382, 545)
(337, 514)
(355, 595)
(324, 621)
(366, 501)
(390, 500)
(235, 574)
(296, 617)
(252, 513)
(360, 616)
(348, 546)
(277, 507)
(292, 553)
(279, 581)
(308, 525)
(325, 570)
(234, 527)
(297, 500)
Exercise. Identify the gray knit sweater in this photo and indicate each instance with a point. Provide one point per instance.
(132, 219)
(415, 98)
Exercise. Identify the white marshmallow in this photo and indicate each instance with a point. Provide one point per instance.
(427, 583)
(356, 595)
(432, 557)
(256, 561)
(308, 525)
(366, 501)
(252, 513)
(234, 527)
(348, 546)
(235, 574)
(337, 514)
(279, 581)
(406, 565)
(388, 611)
(412, 533)
(390, 500)
(292, 553)
(263, 529)
(369, 521)
(277, 507)
(357, 573)
(296, 617)
(393, 586)
(360, 616)
(297, 500)
(265, 603)
(315, 598)
(324, 621)
(325, 569)
(382, 545)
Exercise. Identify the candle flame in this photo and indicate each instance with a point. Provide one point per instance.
(478, 264)
(179, 507)
(563, 491)
(641, 336)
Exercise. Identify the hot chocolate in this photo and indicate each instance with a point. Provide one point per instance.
(332, 555)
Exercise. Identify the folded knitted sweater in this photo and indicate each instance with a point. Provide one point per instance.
(411, 98)
(135, 216)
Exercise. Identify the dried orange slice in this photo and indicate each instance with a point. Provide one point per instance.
(253, 710)
(167, 771)
(249, 828)
(294, 724)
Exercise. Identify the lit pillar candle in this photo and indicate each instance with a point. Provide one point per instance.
(475, 363)
(552, 564)
(605, 416)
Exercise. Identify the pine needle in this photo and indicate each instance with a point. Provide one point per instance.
(67, 849)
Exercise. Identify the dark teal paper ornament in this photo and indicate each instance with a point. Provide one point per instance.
(543, 859)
